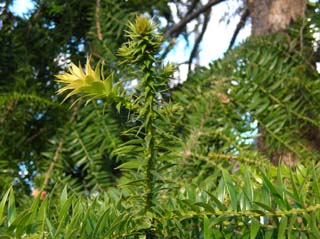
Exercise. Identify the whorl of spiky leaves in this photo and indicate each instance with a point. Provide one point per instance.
(167, 71)
(89, 82)
(144, 42)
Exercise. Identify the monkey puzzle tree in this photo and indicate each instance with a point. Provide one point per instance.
(202, 133)
(38, 135)
(225, 187)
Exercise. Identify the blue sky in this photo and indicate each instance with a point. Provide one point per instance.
(21, 7)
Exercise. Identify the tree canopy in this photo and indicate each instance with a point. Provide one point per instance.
(233, 152)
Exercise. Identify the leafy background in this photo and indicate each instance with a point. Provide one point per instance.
(216, 180)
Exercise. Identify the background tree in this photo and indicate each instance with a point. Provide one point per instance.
(226, 187)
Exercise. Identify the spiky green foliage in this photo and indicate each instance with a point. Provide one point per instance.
(35, 48)
(191, 169)
(236, 209)
(30, 112)
(205, 177)
(81, 153)
(263, 83)
(141, 151)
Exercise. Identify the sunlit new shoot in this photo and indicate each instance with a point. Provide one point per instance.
(89, 82)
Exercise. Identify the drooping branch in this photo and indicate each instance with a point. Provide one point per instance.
(98, 25)
(36, 135)
(57, 153)
(177, 28)
(173, 41)
(199, 39)
(36, 14)
(240, 25)
(53, 164)
(9, 108)
(192, 6)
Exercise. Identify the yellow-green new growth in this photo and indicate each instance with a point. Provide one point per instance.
(88, 82)
(143, 43)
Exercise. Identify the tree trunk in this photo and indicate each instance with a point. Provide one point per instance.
(272, 16)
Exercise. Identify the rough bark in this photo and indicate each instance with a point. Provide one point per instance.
(270, 16)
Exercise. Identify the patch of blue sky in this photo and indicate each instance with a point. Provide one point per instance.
(215, 42)
(22, 8)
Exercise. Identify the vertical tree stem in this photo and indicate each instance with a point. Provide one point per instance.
(151, 154)
(150, 151)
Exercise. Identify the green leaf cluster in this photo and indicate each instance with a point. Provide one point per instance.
(187, 158)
